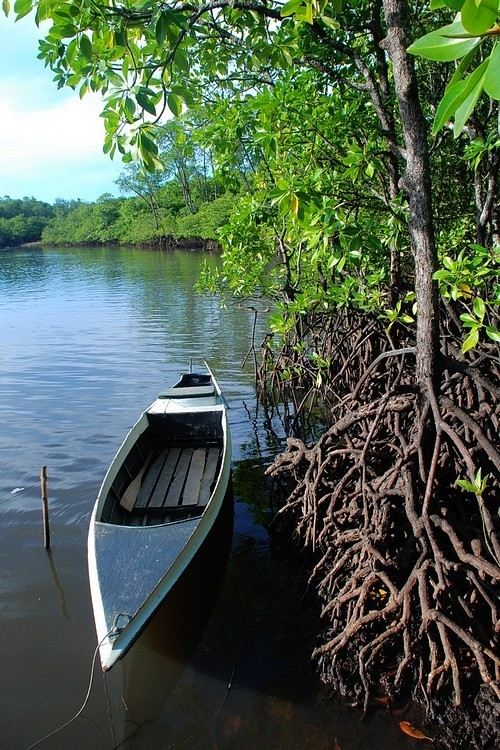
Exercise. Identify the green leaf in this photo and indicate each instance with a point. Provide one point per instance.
(61, 13)
(181, 60)
(114, 78)
(162, 26)
(464, 484)
(455, 96)
(444, 44)
(480, 249)
(286, 56)
(479, 308)
(144, 102)
(174, 102)
(67, 30)
(471, 340)
(309, 14)
(442, 275)
(150, 163)
(453, 4)
(467, 107)
(330, 22)
(461, 68)
(492, 77)
(6, 7)
(185, 94)
(108, 145)
(86, 46)
(22, 8)
(469, 321)
(120, 38)
(290, 7)
(129, 107)
(147, 144)
(452, 99)
(493, 333)
(479, 15)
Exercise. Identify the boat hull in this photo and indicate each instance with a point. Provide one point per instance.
(137, 552)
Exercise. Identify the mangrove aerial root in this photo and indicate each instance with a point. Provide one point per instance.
(407, 561)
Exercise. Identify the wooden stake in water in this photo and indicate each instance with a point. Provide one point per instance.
(45, 507)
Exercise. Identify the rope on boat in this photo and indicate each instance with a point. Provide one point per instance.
(114, 631)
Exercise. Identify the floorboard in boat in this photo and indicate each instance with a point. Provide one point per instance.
(149, 480)
(175, 489)
(165, 478)
(192, 487)
(208, 475)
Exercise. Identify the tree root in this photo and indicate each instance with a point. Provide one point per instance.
(407, 563)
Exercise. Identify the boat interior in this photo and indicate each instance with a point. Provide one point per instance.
(169, 473)
(191, 385)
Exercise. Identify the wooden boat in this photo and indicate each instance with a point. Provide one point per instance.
(157, 503)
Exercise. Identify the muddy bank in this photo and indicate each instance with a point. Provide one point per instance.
(185, 243)
(168, 242)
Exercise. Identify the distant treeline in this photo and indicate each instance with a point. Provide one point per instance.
(133, 220)
(139, 219)
(23, 219)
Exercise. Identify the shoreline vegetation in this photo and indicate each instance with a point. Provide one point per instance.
(114, 221)
(128, 221)
(346, 155)
(158, 243)
(22, 220)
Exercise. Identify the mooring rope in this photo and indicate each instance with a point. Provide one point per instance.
(114, 630)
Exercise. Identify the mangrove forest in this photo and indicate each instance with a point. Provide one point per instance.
(348, 155)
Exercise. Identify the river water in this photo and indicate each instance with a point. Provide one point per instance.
(88, 338)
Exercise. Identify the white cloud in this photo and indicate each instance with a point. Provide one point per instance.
(52, 146)
(50, 141)
(35, 139)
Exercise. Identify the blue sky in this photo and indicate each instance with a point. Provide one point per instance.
(50, 141)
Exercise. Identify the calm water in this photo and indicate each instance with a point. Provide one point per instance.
(88, 337)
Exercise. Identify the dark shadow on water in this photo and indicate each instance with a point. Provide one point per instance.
(158, 659)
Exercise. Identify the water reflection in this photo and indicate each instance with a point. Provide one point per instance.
(58, 585)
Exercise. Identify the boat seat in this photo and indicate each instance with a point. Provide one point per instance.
(188, 392)
(191, 385)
